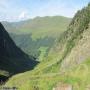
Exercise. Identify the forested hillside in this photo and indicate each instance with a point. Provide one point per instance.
(40, 32)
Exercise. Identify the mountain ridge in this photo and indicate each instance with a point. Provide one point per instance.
(36, 33)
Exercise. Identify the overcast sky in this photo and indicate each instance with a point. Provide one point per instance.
(16, 10)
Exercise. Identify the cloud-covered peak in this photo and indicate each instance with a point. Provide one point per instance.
(23, 15)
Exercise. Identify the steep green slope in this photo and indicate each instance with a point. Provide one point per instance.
(72, 47)
(31, 35)
(77, 39)
(78, 77)
(12, 59)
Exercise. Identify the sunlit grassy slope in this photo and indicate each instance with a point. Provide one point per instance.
(40, 26)
(29, 81)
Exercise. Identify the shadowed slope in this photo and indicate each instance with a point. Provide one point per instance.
(12, 59)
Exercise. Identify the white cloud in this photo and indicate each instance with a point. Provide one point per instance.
(23, 15)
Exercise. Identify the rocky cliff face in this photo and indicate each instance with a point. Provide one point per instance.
(75, 42)
(73, 45)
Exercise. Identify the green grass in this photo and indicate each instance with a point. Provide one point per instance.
(4, 73)
(78, 77)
